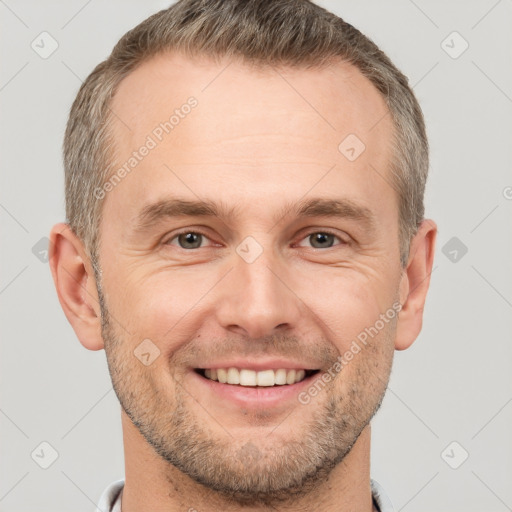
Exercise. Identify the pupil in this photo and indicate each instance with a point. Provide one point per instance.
(188, 239)
(321, 238)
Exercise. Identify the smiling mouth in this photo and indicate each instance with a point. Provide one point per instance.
(249, 378)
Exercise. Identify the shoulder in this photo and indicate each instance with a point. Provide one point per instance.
(108, 501)
(380, 497)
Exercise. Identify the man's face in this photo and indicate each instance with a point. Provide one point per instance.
(258, 145)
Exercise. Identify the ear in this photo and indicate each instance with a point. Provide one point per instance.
(414, 284)
(76, 285)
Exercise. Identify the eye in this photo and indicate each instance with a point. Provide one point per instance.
(195, 239)
(188, 239)
(322, 239)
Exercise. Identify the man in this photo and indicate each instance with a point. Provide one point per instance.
(245, 239)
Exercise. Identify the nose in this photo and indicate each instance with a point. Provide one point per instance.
(257, 298)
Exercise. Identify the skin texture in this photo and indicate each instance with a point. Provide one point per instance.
(252, 144)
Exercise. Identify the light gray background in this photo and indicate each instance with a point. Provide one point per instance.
(454, 384)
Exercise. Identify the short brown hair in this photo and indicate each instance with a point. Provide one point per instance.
(266, 32)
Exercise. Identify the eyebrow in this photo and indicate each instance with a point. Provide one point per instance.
(163, 209)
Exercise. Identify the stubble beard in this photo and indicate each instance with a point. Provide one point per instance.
(266, 471)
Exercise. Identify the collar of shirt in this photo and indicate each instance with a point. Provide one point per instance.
(110, 500)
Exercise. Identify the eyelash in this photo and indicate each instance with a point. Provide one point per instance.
(199, 232)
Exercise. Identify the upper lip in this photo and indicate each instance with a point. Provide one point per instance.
(259, 364)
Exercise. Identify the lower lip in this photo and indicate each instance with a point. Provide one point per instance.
(245, 396)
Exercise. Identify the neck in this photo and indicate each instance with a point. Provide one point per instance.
(153, 485)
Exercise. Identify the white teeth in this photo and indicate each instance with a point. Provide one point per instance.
(222, 375)
(245, 377)
(233, 376)
(280, 377)
(266, 378)
(290, 377)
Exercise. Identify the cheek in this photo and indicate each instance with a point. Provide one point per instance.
(367, 365)
(347, 302)
(160, 306)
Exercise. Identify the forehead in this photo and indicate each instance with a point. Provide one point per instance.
(267, 126)
(334, 97)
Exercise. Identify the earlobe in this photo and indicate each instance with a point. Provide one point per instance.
(414, 284)
(76, 286)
